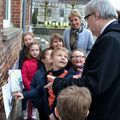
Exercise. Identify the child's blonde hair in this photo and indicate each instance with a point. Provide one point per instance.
(73, 103)
(59, 49)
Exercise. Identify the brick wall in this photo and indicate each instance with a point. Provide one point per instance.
(10, 43)
(16, 13)
(9, 51)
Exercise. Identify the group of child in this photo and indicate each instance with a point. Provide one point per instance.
(36, 65)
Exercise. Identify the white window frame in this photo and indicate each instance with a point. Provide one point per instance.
(7, 19)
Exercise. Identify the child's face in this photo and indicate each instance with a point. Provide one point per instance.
(34, 51)
(78, 59)
(56, 43)
(60, 60)
(47, 59)
(28, 39)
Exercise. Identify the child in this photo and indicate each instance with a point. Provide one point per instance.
(30, 66)
(27, 38)
(56, 41)
(73, 103)
(37, 80)
(45, 58)
(59, 58)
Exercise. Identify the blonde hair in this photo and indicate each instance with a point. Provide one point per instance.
(59, 49)
(73, 103)
(74, 13)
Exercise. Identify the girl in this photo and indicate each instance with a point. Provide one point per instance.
(30, 66)
(27, 38)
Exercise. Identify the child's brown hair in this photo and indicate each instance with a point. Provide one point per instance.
(43, 53)
(56, 36)
(73, 103)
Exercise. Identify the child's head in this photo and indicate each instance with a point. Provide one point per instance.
(45, 57)
(73, 103)
(27, 38)
(33, 50)
(78, 58)
(59, 58)
(56, 41)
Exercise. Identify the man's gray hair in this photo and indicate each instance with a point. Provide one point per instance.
(104, 7)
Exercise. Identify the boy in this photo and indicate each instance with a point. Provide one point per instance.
(73, 103)
(59, 59)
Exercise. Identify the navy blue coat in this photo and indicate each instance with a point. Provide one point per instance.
(101, 75)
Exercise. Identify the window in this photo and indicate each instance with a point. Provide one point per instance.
(7, 15)
(61, 12)
(49, 12)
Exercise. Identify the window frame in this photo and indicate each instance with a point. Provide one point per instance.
(7, 19)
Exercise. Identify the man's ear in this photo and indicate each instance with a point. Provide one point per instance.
(57, 113)
(97, 15)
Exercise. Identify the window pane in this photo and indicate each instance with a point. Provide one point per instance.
(61, 12)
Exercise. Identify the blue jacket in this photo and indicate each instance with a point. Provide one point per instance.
(85, 40)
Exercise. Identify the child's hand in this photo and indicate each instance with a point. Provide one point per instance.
(51, 78)
(49, 85)
(76, 76)
(18, 96)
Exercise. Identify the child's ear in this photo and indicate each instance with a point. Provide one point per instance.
(57, 113)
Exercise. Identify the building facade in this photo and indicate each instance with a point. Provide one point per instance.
(10, 37)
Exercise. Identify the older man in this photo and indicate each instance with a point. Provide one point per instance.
(101, 72)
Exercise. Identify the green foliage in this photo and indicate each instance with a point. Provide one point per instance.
(34, 18)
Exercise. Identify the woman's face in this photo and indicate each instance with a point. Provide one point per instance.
(75, 22)
(78, 59)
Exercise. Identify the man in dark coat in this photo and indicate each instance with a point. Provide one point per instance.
(101, 72)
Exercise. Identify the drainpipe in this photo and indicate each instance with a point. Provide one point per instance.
(24, 15)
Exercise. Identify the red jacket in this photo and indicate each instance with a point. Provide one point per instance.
(30, 66)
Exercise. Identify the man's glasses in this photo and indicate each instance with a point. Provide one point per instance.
(87, 16)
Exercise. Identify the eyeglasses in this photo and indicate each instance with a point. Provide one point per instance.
(87, 16)
(76, 57)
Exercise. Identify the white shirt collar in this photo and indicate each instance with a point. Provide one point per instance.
(107, 25)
